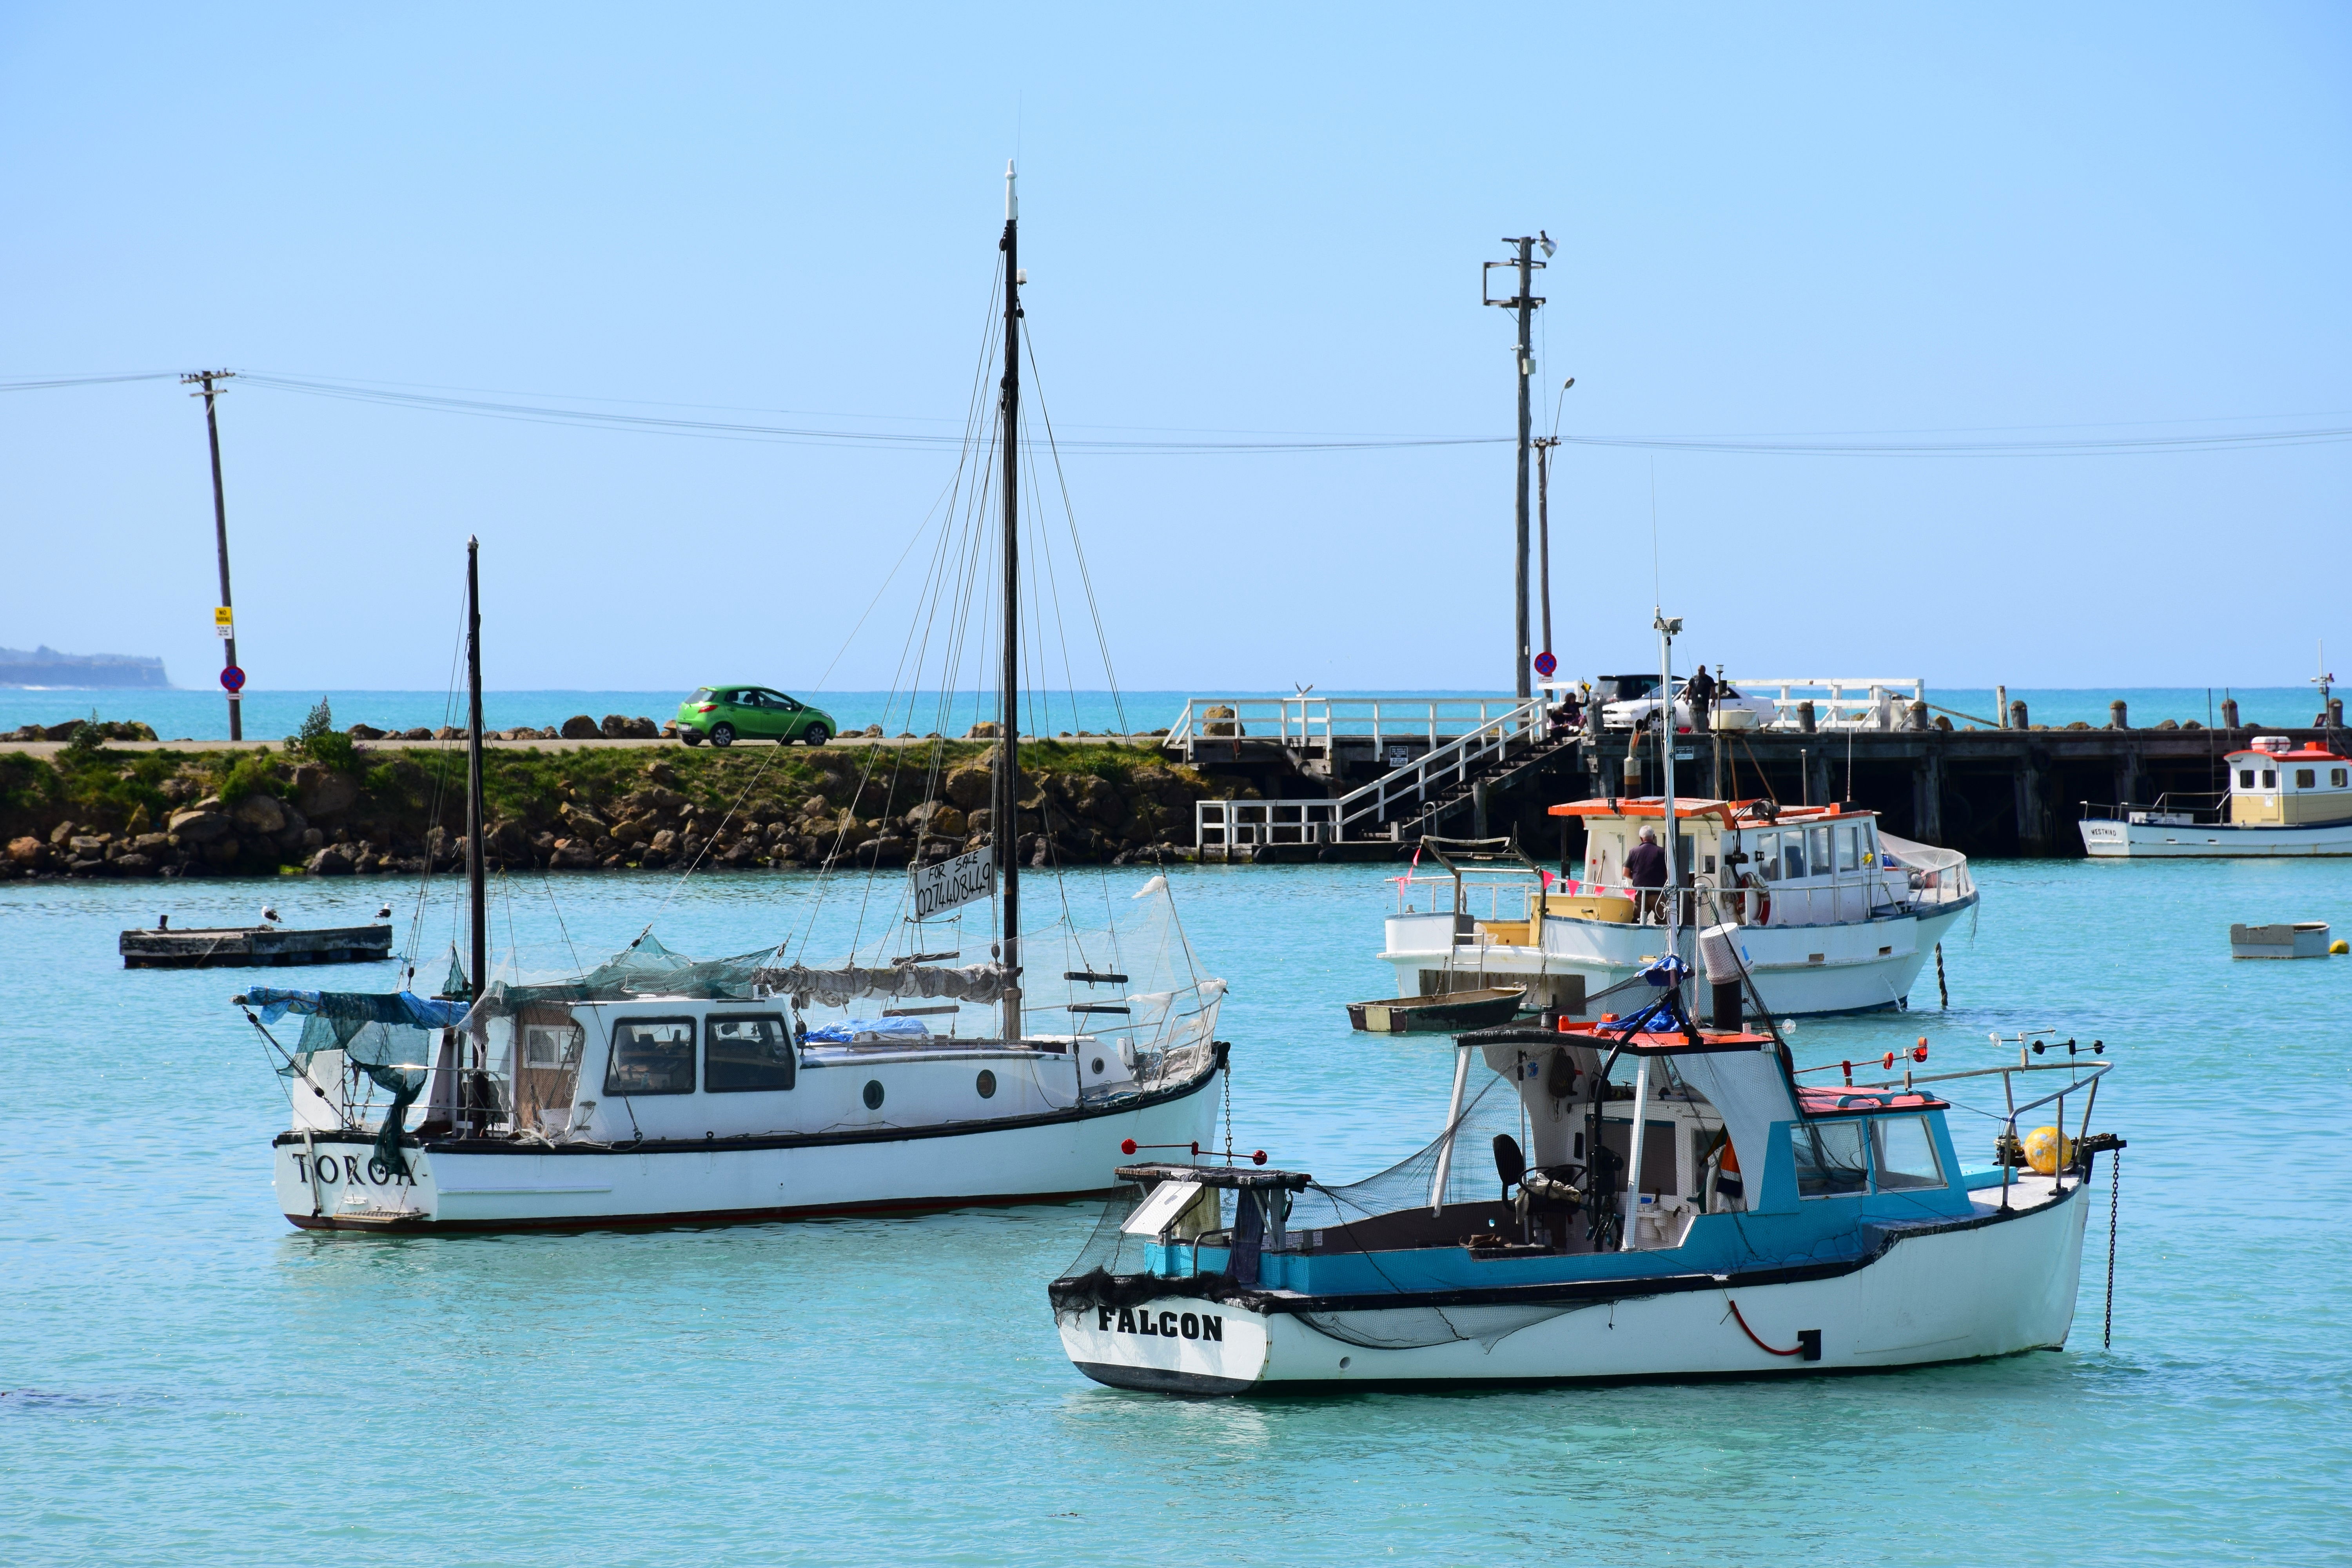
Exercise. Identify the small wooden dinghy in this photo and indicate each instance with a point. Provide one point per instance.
(1449, 1013)
(253, 947)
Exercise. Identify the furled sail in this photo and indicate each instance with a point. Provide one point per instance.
(838, 987)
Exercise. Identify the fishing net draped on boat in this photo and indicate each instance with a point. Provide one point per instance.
(388, 1035)
(1111, 1271)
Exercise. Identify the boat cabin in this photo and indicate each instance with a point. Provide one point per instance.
(2276, 783)
(1765, 865)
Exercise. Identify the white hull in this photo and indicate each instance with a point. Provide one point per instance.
(1797, 968)
(2151, 840)
(329, 1180)
(1983, 1287)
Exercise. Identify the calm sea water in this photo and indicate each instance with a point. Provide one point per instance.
(203, 715)
(189, 1380)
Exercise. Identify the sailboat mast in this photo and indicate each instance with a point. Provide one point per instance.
(1008, 770)
(479, 917)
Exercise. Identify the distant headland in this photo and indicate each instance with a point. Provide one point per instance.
(45, 666)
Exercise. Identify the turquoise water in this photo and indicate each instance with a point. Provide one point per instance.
(203, 715)
(189, 1380)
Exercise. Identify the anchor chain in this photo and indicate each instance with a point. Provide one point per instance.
(2115, 1203)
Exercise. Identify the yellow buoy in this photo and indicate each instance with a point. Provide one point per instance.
(2339, 947)
(2045, 1150)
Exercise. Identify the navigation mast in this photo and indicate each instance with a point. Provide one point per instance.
(477, 913)
(1007, 824)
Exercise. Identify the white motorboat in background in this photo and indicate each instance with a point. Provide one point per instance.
(2282, 799)
(1835, 915)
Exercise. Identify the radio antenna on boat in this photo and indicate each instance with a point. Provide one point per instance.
(1006, 819)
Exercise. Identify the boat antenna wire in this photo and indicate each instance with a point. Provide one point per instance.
(438, 799)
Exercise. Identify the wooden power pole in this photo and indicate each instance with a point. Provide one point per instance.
(224, 621)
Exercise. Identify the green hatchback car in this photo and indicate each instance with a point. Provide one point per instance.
(726, 715)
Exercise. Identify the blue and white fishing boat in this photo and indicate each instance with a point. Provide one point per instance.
(1756, 1227)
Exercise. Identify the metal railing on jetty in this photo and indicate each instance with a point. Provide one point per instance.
(1839, 703)
(1366, 812)
(1305, 721)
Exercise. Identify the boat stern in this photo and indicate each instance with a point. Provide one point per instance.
(1126, 1331)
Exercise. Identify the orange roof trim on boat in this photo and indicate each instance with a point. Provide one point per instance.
(1725, 811)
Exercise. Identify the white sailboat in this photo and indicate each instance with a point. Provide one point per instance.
(654, 1089)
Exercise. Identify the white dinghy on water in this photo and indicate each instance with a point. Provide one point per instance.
(655, 1089)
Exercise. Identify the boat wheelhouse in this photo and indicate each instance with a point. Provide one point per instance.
(2281, 799)
(1754, 1227)
(1834, 914)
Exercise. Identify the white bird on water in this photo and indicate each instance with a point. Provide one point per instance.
(385, 913)
(269, 914)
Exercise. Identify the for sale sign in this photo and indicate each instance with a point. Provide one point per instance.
(950, 884)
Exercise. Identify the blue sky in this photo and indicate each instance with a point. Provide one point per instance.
(2057, 223)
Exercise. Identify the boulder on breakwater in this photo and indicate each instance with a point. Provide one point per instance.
(343, 810)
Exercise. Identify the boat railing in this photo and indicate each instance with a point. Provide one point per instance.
(1510, 896)
(2010, 1149)
(2181, 807)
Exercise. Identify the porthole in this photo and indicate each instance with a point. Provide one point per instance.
(986, 1084)
(1099, 1067)
(873, 1094)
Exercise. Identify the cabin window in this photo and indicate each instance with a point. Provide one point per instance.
(1767, 856)
(747, 1053)
(2245, 778)
(651, 1056)
(550, 1047)
(1904, 1152)
(1820, 850)
(2270, 778)
(1792, 853)
(1830, 1160)
(2306, 778)
(2336, 778)
(1849, 840)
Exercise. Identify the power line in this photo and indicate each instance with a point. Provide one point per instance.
(1880, 444)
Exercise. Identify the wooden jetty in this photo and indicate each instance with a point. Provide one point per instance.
(1486, 767)
(253, 947)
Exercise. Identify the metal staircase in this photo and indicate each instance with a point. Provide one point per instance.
(1401, 804)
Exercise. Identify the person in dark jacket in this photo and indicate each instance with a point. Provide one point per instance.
(1701, 691)
(1646, 868)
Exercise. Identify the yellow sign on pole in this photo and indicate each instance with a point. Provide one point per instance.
(224, 622)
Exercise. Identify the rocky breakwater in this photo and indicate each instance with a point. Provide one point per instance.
(92, 812)
(848, 813)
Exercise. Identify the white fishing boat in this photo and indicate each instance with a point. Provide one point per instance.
(654, 1088)
(2282, 799)
(1754, 1228)
(1834, 914)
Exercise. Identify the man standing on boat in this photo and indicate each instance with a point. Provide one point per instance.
(1646, 868)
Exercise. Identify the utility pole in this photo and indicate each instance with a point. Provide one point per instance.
(224, 620)
(1523, 302)
(1543, 445)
